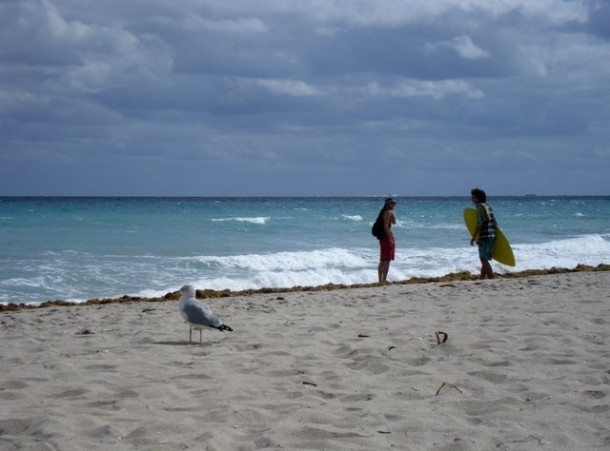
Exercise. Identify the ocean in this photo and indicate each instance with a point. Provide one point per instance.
(75, 249)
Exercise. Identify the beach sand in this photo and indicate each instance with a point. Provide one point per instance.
(526, 366)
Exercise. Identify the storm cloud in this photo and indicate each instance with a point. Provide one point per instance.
(326, 97)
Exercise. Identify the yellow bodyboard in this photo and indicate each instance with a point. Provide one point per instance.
(502, 252)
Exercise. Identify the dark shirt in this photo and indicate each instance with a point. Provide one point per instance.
(487, 222)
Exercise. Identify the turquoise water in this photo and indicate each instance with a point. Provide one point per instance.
(81, 248)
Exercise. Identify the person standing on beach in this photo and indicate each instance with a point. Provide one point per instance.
(485, 232)
(387, 244)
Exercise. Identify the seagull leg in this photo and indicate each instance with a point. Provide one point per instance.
(190, 334)
(200, 336)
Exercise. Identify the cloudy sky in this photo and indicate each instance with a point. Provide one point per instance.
(308, 97)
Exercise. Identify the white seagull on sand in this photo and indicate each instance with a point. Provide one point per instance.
(197, 314)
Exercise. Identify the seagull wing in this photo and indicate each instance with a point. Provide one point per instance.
(199, 314)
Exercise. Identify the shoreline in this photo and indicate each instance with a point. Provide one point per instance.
(213, 294)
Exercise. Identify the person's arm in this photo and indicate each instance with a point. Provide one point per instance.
(475, 235)
(477, 229)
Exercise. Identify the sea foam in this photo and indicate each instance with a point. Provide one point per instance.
(255, 220)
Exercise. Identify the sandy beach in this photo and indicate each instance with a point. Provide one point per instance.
(526, 366)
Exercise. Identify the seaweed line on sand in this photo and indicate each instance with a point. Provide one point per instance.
(209, 294)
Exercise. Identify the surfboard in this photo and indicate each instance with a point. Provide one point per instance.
(502, 252)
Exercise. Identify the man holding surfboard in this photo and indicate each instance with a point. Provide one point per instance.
(485, 232)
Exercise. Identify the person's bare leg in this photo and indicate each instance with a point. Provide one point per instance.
(382, 270)
(486, 270)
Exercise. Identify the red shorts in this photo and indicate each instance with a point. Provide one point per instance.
(387, 249)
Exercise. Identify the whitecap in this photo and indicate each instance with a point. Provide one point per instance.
(255, 220)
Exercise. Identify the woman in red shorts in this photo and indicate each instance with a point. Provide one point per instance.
(387, 244)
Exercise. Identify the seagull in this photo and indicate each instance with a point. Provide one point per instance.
(197, 314)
